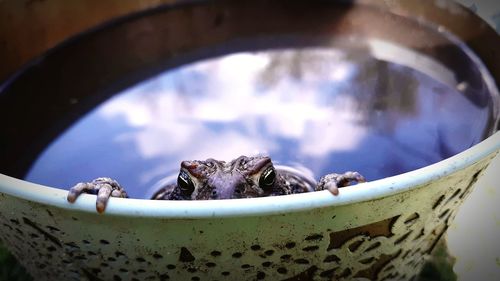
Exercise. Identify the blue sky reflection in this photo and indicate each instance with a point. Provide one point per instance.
(315, 109)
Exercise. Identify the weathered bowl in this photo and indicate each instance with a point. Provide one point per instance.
(380, 230)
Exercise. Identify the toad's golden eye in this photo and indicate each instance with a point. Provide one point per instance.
(185, 183)
(266, 180)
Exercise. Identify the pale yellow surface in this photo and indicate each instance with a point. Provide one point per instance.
(474, 237)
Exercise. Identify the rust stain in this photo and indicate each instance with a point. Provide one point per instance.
(47, 235)
(372, 272)
(380, 228)
(185, 255)
(307, 274)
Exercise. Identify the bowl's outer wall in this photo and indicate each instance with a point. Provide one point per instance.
(376, 239)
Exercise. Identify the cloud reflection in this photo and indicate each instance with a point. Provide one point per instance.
(187, 123)
(317, 109)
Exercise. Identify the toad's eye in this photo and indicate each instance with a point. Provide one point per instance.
(267, 178)
(185, 183)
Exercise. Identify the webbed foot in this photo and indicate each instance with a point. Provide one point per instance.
(332, 182)
(104, 188)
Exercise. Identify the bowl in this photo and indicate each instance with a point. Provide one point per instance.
(380, 230)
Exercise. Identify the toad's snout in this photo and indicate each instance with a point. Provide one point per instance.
(227, 188)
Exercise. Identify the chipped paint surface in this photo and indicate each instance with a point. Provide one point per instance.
(382, 239)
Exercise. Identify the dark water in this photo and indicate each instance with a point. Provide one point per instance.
(317, 109)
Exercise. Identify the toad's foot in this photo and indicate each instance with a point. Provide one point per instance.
(102, 187)
(332, 182)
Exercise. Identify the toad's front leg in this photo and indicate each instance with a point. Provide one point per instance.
(104, 188)
(332, 182)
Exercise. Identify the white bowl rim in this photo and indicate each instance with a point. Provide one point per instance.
(54, 197)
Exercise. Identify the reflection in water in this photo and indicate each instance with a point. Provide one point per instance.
(317, 109)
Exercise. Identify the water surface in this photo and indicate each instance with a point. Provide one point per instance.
(317, 109)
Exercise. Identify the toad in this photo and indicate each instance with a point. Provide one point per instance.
(244, 177)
